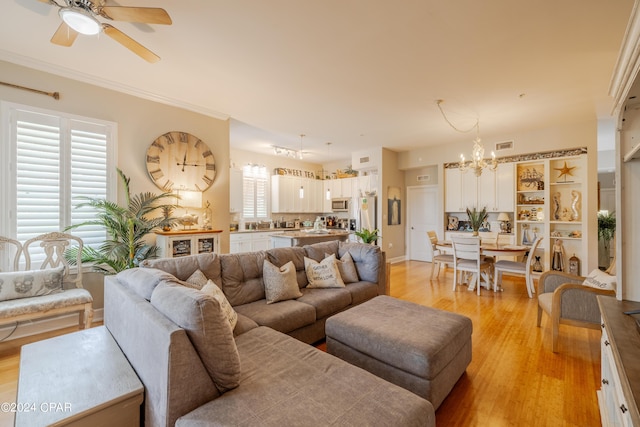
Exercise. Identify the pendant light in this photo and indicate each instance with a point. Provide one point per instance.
(328, 195)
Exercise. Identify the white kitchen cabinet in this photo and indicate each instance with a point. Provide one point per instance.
(285, 195)
(460, 190)
(496, 189)
(174, 244)
(235, 191)
(249, 241)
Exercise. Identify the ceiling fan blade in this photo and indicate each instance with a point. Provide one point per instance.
(146, 15)
(130, 43)
(64, 35)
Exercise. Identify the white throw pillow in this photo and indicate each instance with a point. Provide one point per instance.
(280, 284)
(30, 283)
(212, 289)
(197, 279)
(323, 274)
(601, 280)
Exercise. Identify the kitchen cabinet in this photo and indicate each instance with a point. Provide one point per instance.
(174, 244)
(460, 190)
(250, 241)
(235, 191)
(496, 189)
(285, 195)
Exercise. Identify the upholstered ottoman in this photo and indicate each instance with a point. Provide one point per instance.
(422, 349)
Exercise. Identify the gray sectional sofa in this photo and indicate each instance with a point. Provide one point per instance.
(197, 372)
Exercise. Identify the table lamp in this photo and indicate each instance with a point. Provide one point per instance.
(504, 220)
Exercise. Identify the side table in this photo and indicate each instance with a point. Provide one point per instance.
(79, 379)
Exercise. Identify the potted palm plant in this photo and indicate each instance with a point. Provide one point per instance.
(126, 228)
(476, 218)
(368, 236)
(606, 233)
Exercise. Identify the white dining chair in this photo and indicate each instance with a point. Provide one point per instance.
(438, 258)
(467, 258)
(517, 268)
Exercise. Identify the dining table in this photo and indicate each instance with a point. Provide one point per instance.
(489, 249)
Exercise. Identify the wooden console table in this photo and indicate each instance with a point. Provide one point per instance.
(79, 379)
(173, 244)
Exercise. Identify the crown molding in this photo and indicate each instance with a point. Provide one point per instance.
(107, 84)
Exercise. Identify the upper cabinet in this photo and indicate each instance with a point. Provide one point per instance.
(292, 194)
(492, 189)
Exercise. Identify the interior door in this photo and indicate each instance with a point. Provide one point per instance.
(422, 215)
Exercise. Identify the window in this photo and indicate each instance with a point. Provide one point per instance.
(54, 159)
(255, 181)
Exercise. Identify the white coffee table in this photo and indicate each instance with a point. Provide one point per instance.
(79, 379)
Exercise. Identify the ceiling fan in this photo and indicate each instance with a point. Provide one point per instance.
(81, 17)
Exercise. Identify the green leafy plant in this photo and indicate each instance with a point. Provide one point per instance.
(606, 228)
(367, 236)
(126, 228)
(476, 218)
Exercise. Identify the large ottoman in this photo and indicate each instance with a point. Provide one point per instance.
(422, 349)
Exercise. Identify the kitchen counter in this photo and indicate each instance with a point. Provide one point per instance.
(301, 238)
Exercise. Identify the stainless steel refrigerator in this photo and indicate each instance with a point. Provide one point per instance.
(367, 207)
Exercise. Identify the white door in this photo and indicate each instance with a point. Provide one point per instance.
(422, 215)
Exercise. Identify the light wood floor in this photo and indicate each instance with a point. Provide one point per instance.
(513, 380)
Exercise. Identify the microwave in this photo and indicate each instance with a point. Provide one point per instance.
(340, 205)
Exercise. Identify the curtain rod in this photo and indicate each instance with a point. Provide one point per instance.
(54, 95)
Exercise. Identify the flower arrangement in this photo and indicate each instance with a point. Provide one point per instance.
(476, 218)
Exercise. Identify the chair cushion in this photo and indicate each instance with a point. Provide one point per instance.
(545, 301)
(30, 283)
(511, 265)
(207, 327)
(22, 306)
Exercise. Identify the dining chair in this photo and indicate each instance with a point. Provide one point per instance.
(467, 258)
(489, 238)
(438, 258)
(518, 268)
(10, 253)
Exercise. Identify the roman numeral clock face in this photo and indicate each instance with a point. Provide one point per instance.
(178, 160)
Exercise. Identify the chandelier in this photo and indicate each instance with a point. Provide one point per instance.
(478, 162)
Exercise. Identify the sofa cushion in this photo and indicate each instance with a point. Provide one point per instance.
(207, 327)
(326, 301)
(280, 283)
(214, 291)
(242, 277)
(285, 316)
(323, 274)
(197, 280)
(347, 269)
(143, 281)
(244, 324)
(281, 256)
(285, 382)
(362, 291)
(30, 283)
(318, 251)
(183, 267)
(366, 257)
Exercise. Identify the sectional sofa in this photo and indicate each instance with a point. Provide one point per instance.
(197, 370)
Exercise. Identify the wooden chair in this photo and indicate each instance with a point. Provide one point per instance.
(437, 257)
(72, 299)
(467, 258)
(518, 268)
(12, 260)
(567, 301)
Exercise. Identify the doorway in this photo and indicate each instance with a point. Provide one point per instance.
(423, 206)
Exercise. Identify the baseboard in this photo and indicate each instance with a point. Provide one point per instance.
(34, 327)
(398, 259)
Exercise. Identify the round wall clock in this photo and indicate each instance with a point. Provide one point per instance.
(180, 161)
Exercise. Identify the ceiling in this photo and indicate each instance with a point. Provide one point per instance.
(356, 73)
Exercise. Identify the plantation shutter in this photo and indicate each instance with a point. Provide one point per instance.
(254, 192)
(58, 161)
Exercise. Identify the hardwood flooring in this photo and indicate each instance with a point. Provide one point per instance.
(513, 380)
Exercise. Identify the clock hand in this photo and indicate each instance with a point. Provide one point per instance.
(184, 161)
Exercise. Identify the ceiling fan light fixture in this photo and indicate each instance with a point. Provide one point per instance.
(80, 21)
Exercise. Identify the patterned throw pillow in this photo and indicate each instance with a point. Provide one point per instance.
(212, 289)
(601, 280)
(30, 283)
(280, 284)
(347, 268)
(197, 280)
(323, 274)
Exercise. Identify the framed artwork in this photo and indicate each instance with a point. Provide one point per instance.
(394, 205)
(530, 177)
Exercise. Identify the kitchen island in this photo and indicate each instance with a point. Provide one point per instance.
(301, 238)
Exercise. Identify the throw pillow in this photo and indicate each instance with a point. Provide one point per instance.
(213, 290)
(323, 274)
(347, 268)
(280, 284)
(197, 279)
(30, 283)
(600, 279)
(206, 326)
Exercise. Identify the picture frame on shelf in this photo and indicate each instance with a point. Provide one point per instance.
(531, 177)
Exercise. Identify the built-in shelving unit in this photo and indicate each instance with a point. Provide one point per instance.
(633, 154)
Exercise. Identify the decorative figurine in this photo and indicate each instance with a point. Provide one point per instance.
(574, 265)
(537, 265)
(556, 206)
(575, 197)
(558, 256)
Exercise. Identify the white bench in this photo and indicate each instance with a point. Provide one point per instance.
(72, 299)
